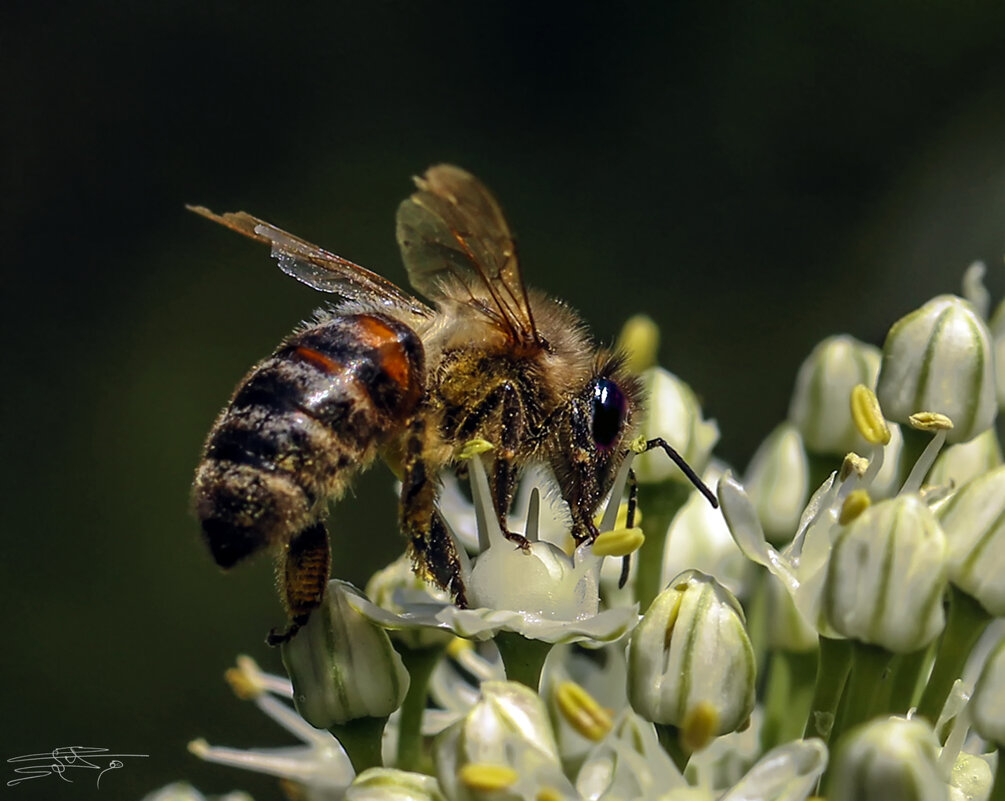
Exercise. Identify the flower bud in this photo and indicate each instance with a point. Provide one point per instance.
(639, 340)
(987, 705)
(674, 414)
(388, 784)
(886, 576)
(690, 662)
(889, 759)
(820, 406)
(939, 359)
(343, 666)
(973, 520)
(778, 482)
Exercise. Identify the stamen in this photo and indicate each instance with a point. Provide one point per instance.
(699, 726)
(610, 518)
(927, 421)
(486, 777)
(473, 447)
(868, 416)
(619, 542)
(856, 503)
(582, 711)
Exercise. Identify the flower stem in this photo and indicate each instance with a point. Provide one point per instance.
(420, 663)
(832, 673)
(967, 621)
(660, 504)
(788, 696)
(361, 740)
(523, 658)
(868, 691)
(670, 740)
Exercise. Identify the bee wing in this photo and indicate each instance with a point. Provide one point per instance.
(315, 266)
(452, 226)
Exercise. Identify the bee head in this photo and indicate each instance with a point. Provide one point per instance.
(588, 446)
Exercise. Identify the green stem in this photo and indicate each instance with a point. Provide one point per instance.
(832, 673)
(868, 690)
(670, 740)
(967, 621)
(660, 504)
(908, 671)
(361, 740)
(788, 696)
(523, 658)
(420, 663)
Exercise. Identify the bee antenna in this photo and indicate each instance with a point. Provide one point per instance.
(678, 460)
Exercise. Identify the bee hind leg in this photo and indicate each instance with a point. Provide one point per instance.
(303, 578)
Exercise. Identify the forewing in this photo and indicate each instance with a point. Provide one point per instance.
(453, 227)
(315, 266)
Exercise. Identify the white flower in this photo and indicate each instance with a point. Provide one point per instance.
(540, 592)
(320, 765)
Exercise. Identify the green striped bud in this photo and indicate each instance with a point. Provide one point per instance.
(939, 359)
(690, 662)
(889, 760)
(388, 784)
(673, 412)
(342, 666)
(973, 520)
(987, 705)
(778, 482)
(821, 402)
(886, 576)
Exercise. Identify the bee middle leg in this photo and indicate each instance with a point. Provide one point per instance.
(431, 547)
(506, 401)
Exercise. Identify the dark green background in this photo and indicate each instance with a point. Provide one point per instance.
(753, 176)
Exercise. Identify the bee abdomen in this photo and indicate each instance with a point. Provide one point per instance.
(299, 425)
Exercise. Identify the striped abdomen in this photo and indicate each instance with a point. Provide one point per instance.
(299, 425)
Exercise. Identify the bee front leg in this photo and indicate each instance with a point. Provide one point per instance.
(432, 549)
(507, 401)
(303, 577)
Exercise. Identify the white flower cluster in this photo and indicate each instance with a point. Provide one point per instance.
(831, 631)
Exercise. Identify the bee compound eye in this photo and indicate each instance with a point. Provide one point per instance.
(609, 408)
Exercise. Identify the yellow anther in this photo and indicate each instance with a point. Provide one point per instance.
(549, 794)
(699, 726)
(853, 464)
(621, 521)
(582, 711)
(619, 542)
(486, 777)
(639, 340)
(198, 747)
(856, 503)
(638, 444)
(674, 614)
(458, 646)
(930, 421)
(868, 416)
(473, 447)
(245, 680)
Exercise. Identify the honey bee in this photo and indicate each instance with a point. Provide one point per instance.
(384, 373)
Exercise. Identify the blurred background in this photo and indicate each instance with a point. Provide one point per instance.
(755, 177)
